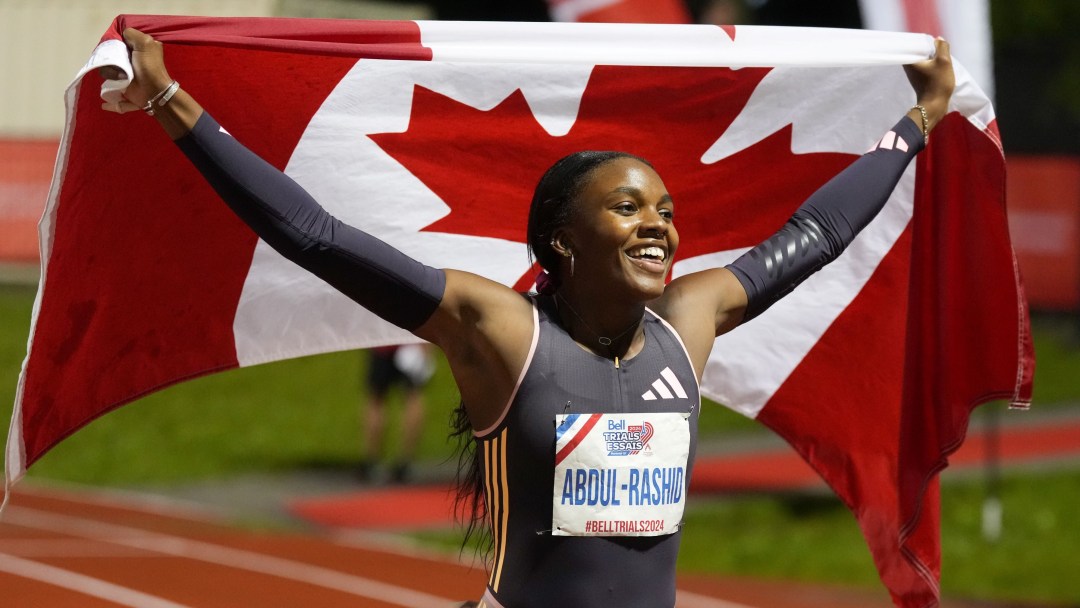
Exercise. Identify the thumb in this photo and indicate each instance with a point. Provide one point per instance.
(120, 107)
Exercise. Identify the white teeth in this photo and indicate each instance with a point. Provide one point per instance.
(653, 252)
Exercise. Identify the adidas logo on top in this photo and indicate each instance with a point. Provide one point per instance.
(665, 390)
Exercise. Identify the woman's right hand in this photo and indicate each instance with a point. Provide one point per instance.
(148, 63)
(150, 78)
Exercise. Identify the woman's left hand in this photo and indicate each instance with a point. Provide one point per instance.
(933, 81)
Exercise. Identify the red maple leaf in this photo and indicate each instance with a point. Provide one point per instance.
(485, 164)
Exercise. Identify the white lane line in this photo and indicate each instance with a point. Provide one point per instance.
(686, 599)
(389, 543)
(355, 539)
(126, 500)
(86, 585)
(225, 556)
(66, 547)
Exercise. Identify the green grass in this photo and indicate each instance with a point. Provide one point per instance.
(290, 414)
(807, 538)
(1057, 359)
(304, 413)
(816, 539)
(1035, 558)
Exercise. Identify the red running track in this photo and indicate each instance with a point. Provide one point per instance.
(61, 549)
(89, 549)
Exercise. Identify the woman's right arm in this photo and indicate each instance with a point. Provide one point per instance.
(367, 270)
(380, 278)
(483, 327)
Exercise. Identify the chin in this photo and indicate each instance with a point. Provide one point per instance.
(649, 290)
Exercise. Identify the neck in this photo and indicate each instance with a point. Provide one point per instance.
(603, 324)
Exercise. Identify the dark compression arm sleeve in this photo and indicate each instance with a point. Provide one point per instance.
(374, 274)
(820, 230)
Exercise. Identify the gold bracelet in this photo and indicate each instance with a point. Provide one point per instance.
(925, 123)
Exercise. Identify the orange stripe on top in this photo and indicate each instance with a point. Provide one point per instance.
(490, 500)
(497, 499)
(504, 499)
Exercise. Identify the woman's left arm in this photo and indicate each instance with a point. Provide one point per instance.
(820, 230)
(715, 301)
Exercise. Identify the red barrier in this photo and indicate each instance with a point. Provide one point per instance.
(1044, 220)
(25, 170)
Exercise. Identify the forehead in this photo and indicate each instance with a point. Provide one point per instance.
(621, 174)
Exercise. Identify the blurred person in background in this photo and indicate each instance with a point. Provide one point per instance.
(409, 367)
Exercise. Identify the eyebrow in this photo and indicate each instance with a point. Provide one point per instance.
(636, 193)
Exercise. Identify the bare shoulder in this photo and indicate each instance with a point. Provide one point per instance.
(713, 298)
(485, 330)
(473, 306)
(701, 306)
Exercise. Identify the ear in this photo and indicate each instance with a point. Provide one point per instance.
(561, 243)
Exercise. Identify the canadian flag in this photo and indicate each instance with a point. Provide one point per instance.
(431, 135)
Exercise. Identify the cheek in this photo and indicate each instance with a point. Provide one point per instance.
(612, 232)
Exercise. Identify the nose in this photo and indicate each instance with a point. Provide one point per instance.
(653, 224)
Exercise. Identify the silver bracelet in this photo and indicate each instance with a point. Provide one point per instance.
(161, 98)
(925, 123)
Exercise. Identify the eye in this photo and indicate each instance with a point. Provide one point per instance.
(667, 214)
(626, 208)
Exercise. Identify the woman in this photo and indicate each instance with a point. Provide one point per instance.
(605, 343)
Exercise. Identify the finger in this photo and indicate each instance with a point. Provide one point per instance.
(131, 35)
(120, 107)
(111, 72)
(137, 40)
(941, 51)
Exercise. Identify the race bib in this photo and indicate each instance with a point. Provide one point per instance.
(620, 474)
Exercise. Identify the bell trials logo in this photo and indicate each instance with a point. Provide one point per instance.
(623, 439)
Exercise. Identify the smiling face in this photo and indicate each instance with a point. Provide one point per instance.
(622, 231)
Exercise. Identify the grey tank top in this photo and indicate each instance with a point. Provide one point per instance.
(530, 567)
